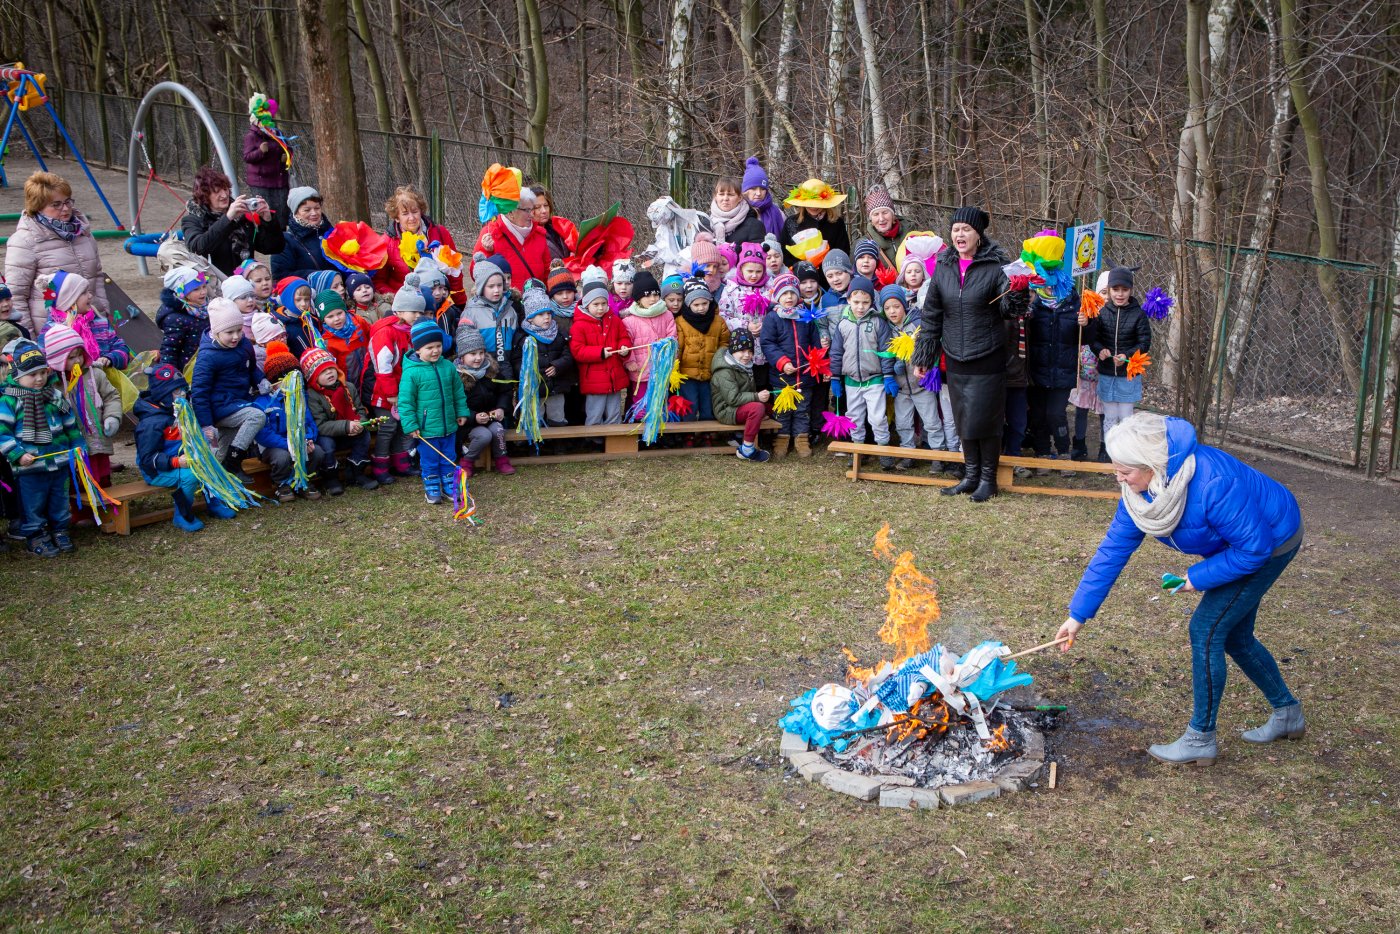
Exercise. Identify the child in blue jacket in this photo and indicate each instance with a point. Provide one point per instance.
(273, 436)
(159, 447)
(223, 385)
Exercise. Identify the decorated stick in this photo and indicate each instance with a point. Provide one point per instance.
(293, 393)
(1042, 647)
(217, 482)
(464, 507)
(86, 486)
(527, 410)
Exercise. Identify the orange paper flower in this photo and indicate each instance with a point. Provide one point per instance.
(1090, 303)
(354, 246)
(1138, 363)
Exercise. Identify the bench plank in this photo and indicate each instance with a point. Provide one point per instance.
(1006, 479)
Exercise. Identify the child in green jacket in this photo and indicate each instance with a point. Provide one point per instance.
(432, 404)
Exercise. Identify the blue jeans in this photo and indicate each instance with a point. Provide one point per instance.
(435, 468)
(43, 495)
(1224, 624)
(356, 446)
(697, 393)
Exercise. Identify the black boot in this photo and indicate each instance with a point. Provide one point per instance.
(233, 463)
(972, 456)
(360, 475)
(990, 454)
(330, 481)
(1080, 450)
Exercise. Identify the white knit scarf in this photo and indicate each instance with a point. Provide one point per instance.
(722, 223)
(1159, 518)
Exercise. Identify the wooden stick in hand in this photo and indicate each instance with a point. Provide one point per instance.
(1041, 648)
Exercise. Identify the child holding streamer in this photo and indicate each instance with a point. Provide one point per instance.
(556, 375)
(648, 322)
(389, 343)
(488, 400)
(94, 400)
(788, 339)
(280, 406)
(432, 406)
(598, 342)
(159, 447)
(225, 380)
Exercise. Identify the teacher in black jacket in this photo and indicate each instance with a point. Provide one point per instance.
(964, 319)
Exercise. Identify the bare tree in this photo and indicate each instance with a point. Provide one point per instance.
(325, 35)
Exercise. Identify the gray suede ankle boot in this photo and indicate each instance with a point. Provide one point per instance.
(1194, 746)
(1286, 723)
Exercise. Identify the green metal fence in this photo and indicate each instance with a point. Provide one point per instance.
(1283, 383)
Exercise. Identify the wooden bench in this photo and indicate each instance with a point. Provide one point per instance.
(620, 441)
(1006, 477)
(120, 520)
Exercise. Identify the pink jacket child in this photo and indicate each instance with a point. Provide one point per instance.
(645, 326)
(744, 302)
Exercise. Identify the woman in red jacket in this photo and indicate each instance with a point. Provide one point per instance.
(407, 211)
(516, 238)
(561, 232)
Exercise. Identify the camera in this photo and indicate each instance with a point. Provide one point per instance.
(255, 203)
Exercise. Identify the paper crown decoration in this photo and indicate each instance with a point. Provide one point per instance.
(354, 246)
(809, 245)
(500, 191)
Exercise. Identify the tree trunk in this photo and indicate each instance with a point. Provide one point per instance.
(272, 33)
(1101, 85)
(1321, 196)
(340, 167)
(787, 43)
(750, 17)
(382, 111)
(677, 79)
(539, 64)
(835, 94)
(1040, 104)
(405, 64)
(886, 159)
(55, 59)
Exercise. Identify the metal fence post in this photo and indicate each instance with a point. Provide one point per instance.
(679, 187)
(435, 193)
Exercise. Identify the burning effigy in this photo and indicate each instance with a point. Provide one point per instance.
(927, 718)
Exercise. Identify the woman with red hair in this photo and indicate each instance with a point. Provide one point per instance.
(226, 229)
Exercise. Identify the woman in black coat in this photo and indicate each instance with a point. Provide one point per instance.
(220, 227)
(818, 207)
(1052, 349)
(964, 318)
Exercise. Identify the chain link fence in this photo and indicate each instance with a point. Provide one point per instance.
(1271, 364)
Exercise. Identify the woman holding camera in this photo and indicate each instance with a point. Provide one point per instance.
(226, 229)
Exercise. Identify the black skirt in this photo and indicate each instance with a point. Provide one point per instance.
(977, 389)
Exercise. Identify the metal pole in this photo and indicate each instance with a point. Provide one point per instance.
(1359, 419)
(134, 147)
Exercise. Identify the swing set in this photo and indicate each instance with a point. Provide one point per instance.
(26, 92)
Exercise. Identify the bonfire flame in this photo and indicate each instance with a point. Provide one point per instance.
(911, 607)
(998, 742)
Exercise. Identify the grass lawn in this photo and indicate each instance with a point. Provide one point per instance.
(359, 715)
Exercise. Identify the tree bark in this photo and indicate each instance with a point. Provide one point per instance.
(1101, 105)
(407, 78)
(1295, 68)
(787, 43)
(835, 94)
(382, 111)
(1039, 102)
(677, 78)
(325, 36)
(539, 64)
(886, 159)
(750, 17)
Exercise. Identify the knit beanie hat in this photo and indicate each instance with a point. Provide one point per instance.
(591, 293)
(740, 339)
(783, 282)
(893, 291)
(236, 287)
(592, 275)
(287, 293)
(1102, 282)
(354, 280)
(878, 197)
(313, 361)
(297, 195)
(279, 361)
(469, 339)
(429, 273)
(162, 382)
(672, 285)
(867, 247)
(245, 268)
(861, 284)
(806, 272)
(837, 261)
(1122, 276)
(224, 316)
(266, 328)
(754, 176)
(69, 289)
(729, 252)
(623, 270)
(424, 332)
(703, 250)
(976, 218)
(536, 301)
(322, 279)
(560, 280)
(751, 253)
(644, 283)
(482, 271)
(327, 302)
(60, 341)
(4, 290)
(695, 289)
(27, 357)
(182, 280)
(409, 297)
(771, 244)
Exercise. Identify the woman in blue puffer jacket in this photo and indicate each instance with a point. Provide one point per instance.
(1246, 527)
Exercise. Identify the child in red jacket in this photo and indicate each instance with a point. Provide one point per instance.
(598, 342)
(389, 343)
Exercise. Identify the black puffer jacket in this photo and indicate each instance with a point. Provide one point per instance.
(301, 251)
(554, 354)
(1119, 331)
(228, 243)
(837, 236)
(967, 320)
(1052, 339)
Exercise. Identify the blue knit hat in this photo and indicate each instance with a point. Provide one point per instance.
(322, 279)
(424, 332)
(867, 247)
(861, 284)
(894, 291)
(754, 176)
(356, 279)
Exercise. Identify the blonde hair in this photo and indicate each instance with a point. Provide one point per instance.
(405, 193)
(40, 188)
(804, 213)
(1140, 440)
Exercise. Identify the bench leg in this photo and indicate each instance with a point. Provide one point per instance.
(1006, 476)
(119, 521)
(620, 444)
(855, 466)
